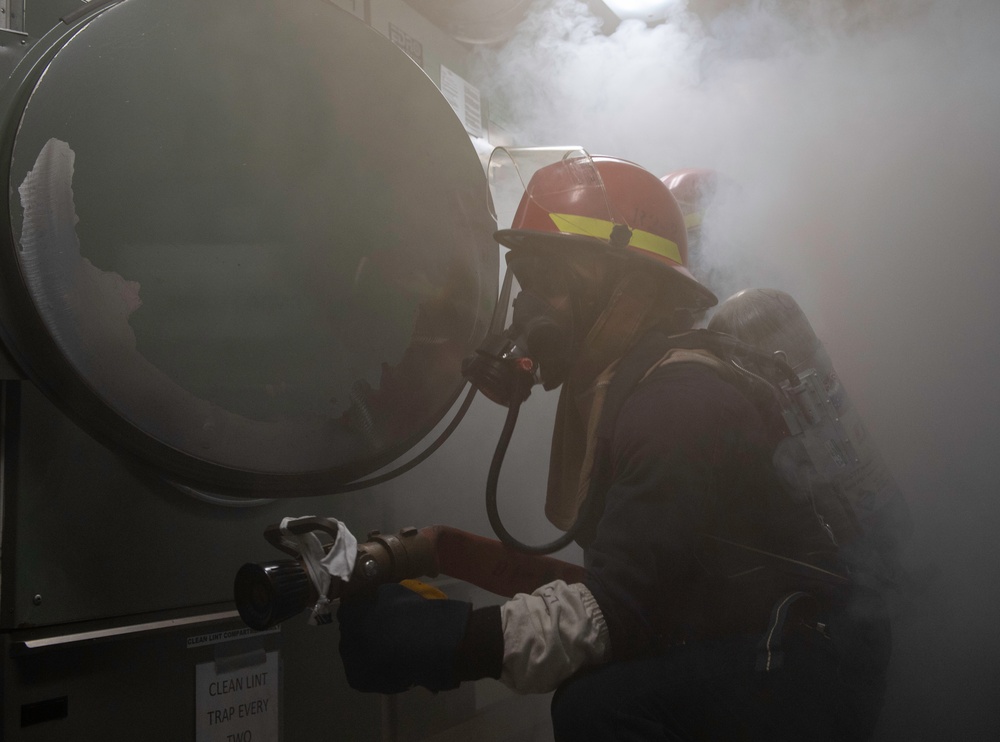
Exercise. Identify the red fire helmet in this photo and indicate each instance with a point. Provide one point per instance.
(692, 187)
(610, 203)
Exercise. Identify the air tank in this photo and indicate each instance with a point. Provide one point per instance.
(828, 454)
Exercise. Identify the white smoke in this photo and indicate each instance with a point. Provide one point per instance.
(826, 117)
(865, 139)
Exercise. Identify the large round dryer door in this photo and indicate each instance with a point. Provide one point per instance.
(248, 242)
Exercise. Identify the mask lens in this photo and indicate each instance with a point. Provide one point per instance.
(541, 275)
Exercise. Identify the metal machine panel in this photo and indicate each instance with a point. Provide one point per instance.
(123, 685)
(147, 686)
(88, 536)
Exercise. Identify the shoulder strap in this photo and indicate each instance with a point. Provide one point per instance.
(653, 346)
(629, 372)
(631, 369)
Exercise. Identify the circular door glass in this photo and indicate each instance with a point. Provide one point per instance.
(250, 241)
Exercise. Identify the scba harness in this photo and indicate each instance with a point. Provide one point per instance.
(847, 541)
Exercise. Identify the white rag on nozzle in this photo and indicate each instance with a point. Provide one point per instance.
(322, 563)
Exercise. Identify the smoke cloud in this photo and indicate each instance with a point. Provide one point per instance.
(864, 142)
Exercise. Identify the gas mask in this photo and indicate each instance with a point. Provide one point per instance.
(537, 347)
(545, 333)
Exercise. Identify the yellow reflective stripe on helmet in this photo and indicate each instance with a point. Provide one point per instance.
(655, 244)
(601, 229)
(583, 225)
(693, 220)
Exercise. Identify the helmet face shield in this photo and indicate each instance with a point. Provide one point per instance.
(530, 184)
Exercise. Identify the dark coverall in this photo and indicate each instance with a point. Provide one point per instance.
(710, 640)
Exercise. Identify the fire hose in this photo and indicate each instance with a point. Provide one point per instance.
(268, 593)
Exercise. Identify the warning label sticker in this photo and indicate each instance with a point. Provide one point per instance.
(239, 705)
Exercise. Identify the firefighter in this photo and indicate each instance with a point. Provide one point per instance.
(694, 188)
(712, 606)
(698, 191)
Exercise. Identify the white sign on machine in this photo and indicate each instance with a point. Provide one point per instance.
(239, 705)
(464, 99)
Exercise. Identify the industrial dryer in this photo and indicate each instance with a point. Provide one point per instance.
(244, 249)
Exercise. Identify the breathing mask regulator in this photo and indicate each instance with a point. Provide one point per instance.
(537, 348)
